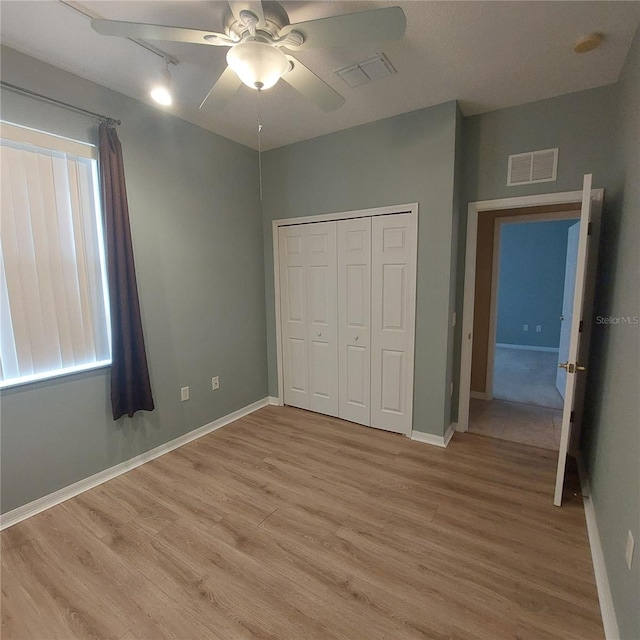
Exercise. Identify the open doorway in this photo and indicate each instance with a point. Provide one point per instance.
(524, 265)
(476, 321)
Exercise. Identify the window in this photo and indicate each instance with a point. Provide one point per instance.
(53, 294)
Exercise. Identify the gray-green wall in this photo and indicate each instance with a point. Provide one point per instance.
(612, 429)
(203, 272)
(579, 124)
(597, 132)
(400, 160)
(197, 232)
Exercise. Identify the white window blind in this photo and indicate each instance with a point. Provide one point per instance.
(53, 305)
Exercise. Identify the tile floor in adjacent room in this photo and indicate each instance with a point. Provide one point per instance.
(516, 422)
(526, 405)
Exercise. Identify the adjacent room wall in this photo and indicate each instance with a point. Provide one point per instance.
(197, 233)
(612, 412)
(399, 160)
(484, 282)
(531, 282)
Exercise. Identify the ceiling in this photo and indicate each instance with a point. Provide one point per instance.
(486, 55)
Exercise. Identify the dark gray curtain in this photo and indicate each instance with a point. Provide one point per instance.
(130, 384)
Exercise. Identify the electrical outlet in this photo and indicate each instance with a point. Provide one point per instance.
(538, 328)
(184, 394)
(215, 383)
(631, 543)
(525, 327)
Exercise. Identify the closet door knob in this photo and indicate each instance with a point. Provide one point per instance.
(319, 335)
(356, 338)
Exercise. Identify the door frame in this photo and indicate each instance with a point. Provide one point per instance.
(324, 217)
(474, 210)
(495, 275)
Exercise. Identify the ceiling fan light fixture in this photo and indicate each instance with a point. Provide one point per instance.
(161, 92)
(258, 65)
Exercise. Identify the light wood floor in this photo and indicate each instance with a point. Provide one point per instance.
(290, 525)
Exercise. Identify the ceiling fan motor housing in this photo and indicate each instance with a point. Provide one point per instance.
(275, 18)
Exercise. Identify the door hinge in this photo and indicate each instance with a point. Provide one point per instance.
(589, 228)
(580, 326)
(572, 416)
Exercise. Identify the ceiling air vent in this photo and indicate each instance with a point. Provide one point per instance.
(367, 70)
(534, 166)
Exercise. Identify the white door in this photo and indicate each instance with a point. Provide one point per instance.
(322, 314)
(580, 329)
(293, 313)
(573, 234)
(354, 315)
(393, 302)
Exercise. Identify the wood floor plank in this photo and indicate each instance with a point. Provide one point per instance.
(127, 594)
(476, 572)
(291, 554)
(56, 592)
(289, 525)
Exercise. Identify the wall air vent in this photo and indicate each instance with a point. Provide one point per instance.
(534, 166)
(367, 70)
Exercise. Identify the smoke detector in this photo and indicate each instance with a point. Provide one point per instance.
(588, 43)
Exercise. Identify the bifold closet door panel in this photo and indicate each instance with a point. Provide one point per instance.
(322, 315)
(354, 317)
(293, 314)
(393, 286)
(347, 307)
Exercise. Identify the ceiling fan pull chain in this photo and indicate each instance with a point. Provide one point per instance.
(259, 141)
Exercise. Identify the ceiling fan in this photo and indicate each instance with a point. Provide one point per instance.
(256, 34)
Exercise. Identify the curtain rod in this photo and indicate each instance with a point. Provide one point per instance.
(60, 103)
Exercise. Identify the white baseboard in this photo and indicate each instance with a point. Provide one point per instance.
(46, 502)
(274, 401)
(453, 427)
(527, 347)
(429, 438)
(609, 620)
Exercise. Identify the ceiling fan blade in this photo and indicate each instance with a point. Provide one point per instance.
(307, 83)
(222, 91)
(159, 32)
(254, 6)
(375, 25)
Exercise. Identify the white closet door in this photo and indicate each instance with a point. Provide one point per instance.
(293, 311)
(393, 293)
(322, 314)
(354, 316)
